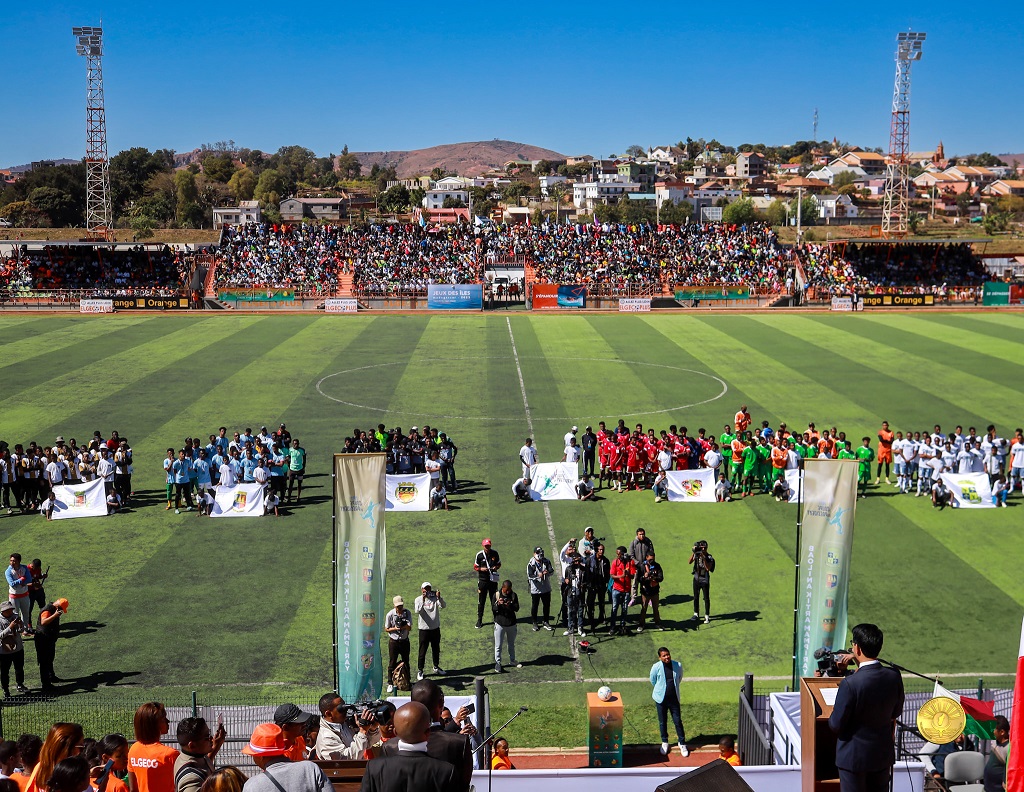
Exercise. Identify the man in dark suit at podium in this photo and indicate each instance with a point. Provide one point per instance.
(410, 769)
(867, 705)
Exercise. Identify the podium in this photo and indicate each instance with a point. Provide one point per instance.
(817, 740)
(345, 775)
(605, 730)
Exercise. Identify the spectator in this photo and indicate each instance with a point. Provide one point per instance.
(112, 748)
(8, 759)
(428, 606)
(268, 752)
(412, 767)
(150, 763)
(337, 739)
(62, 741)
(69, 775)
(505, 607)
(501, 760)
(727, 751)
(199, 749)
(12, 649)
(29, 747)
(224, 779)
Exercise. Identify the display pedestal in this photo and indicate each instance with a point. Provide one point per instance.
(605, 731)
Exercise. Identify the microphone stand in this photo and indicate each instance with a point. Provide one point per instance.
(904, 669)
(490, 741)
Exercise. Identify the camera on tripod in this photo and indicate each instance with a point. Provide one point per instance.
(827, 665)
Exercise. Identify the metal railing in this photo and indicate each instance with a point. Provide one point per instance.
(754, 742)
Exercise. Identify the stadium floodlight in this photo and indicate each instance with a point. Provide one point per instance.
(896, 199)
(97, 178)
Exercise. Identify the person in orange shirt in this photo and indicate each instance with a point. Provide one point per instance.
(737, 460)
(884, 452)
(826, 446)
(293, 722)
(727, 751)
(742, 420)
(63, 740)
(780, 456)
(113, 748)
(500, 760)
(150, 763)
(29, 746)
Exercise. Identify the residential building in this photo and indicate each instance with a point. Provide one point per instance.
(434, 198)
(641, 172)
(547, 182)
(245, 212)
(670, 155)
(298, 209)
(587, 195)
(835, 206)
(751, 165)
(828, 173)
(977, 176)
(1004, 187)
(870, 162)
(708, 155)
(944, 181)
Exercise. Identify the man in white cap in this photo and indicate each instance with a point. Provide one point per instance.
(570, 435)
(428, 607)
(398, 625)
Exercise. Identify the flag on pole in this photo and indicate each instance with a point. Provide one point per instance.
(1015, 759)
(981, 716)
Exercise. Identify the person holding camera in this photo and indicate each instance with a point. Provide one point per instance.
(398, 625)
(12, 648)
(428, 607)
(505, 608)
(342, 736)
(650, 576)
(539, 572)
(638, 550)
(703, 565)
(575, 595)
(864, 717)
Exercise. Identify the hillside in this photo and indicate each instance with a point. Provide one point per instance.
(1010, 159)
(466, 159)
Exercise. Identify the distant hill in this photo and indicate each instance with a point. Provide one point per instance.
(28, 167)
(1009, 159)
(466, 159)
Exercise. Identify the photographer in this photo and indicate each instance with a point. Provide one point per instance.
(398, 625)
(428, 606)
(703, 565)
(638, 550)
(341, 736)
(539, 572)
(867, 706)
(505, 608)
(575, 595)
(12, 649)
(598, 575)
(650, 576)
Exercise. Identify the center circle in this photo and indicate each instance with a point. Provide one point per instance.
(450, 361)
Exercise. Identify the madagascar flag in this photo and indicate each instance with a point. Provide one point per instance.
(981, 717)
(1015, 759)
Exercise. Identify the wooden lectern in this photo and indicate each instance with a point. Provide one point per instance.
(818, 771)
(605, 737)
(345, 775)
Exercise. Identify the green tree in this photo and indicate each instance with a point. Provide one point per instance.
(185, 187)
(843, 178)
(23, 214)
(963, 203)
(606, 213)
(416, 196)
(808, 211)
(269, 188)
(739, 212)
(438, 173)
(219, 167)
(996, 222)
(56, 204)
(636, 151)
(451, 202)
(775, 214)
(129, 172)
(514, 191)
(914, 220)
(243, 184)
(395, 199)
(348, 166)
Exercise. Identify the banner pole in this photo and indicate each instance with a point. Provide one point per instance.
(334, 571)
(796, 571)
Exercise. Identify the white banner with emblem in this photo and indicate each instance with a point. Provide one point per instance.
(554, 481)
(407, 493)
(691, 486)
(970, 490)
(87, 499)
(241, 500)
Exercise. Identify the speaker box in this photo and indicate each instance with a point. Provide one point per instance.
(716, 776)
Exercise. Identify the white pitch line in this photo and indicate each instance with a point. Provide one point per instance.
(576, 667)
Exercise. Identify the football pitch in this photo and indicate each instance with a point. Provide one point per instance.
(240, 610)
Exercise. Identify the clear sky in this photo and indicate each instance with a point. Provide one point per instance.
(578, 78)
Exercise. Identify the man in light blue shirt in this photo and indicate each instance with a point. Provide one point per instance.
(665, 676)
(182, 470)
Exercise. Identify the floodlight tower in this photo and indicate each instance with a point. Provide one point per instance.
(97, 175)
(897, 168)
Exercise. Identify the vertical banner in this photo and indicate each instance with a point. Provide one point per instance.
(829, 491)
(360, 549)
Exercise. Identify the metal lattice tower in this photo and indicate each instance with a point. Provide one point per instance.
(97, 176)
(895, 207)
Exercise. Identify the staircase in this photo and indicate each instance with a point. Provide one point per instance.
(346, 284)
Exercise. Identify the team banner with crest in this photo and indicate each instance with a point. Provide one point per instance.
(360, 549)
(829, 492)
(554, 481)
(407, 493)
(87, 499)
(241, 500)
(970, 490)
(691, 486)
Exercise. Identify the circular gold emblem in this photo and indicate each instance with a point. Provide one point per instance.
(941, 720)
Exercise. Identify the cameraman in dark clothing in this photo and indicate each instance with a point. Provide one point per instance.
(864, 717)
(703, 565)
(598, 573)
(589, 444)
(505, 607)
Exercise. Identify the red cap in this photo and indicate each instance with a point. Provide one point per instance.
(486, 543)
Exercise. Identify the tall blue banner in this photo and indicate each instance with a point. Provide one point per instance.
(572, 296)
(461, 297)
(360, 550)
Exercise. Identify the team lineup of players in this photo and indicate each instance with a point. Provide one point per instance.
(755, 460)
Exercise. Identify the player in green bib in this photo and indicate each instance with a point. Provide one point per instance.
(750, 462)
(866, 455)
(846, 452)
(764, 464)
(725, 441)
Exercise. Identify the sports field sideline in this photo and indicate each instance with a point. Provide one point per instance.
(163, 603)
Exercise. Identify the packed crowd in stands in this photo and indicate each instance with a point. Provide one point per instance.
(303, 257)
(100, 271)
(947, 271)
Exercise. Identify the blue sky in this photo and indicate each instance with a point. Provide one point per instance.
(574, 77)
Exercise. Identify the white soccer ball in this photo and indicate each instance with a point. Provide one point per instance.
(604, 693)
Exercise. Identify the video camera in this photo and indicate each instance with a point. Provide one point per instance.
(827, 665)
(378, 711)
(701, 546)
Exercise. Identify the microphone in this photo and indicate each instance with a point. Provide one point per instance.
(524, 709)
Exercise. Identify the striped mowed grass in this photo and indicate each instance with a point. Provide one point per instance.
(164, 603)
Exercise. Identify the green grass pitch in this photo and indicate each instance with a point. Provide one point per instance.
(240, 610)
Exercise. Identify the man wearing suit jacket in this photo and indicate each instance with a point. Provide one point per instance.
(410, 769)
(867, 706)
(452, 748)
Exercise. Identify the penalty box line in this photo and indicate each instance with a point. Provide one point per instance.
(576, 667)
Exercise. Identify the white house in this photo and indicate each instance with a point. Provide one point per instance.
(829, 172)
(608, 190)
(245, 212)
(547, 182)
(834, 206)
(435, 198)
